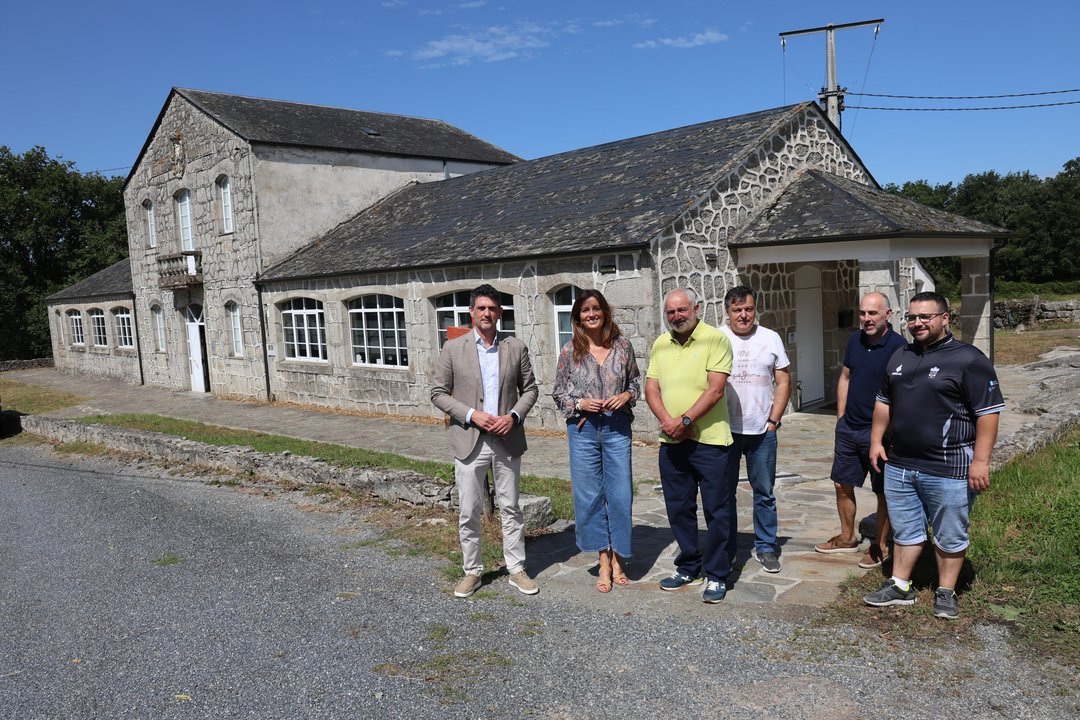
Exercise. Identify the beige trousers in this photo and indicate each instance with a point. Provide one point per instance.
(469, 474)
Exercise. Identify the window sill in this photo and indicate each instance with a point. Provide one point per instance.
(311, 367)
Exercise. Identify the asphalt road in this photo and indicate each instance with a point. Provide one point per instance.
(128, 593)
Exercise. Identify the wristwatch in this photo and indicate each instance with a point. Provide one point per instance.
(776, 423)
(686, 421)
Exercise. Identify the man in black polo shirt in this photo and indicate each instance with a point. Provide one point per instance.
(868, 350)
(940, 398)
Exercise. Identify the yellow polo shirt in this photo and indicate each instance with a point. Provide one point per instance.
(682, 371)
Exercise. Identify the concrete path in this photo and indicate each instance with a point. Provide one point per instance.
(805, 495)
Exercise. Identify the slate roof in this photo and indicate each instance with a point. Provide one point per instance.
(290, 123)
(113, 280)
(611, 196)
(819, 206)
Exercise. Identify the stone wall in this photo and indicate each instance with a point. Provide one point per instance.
(108, 360)
(25, 364)
(1029, 313)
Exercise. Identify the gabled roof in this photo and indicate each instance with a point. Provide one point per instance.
(113, 280)
(277, 122)
(820, 206)
(611, 196)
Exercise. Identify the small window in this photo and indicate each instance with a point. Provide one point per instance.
(304, 329)
(378, 330)
(159, 327)
(183, 220)
(124, 336)
(453, 309)
(224, 193)
(151, 224)
(564, 299)
(77, 337)
(236, 335)
(97, 328)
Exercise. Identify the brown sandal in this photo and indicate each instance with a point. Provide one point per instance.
(601, 585)
(617, 575)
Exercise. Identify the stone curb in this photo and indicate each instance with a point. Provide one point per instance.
(387, 484)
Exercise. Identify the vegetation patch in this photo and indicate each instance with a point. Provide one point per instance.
(168, 559)
(1013, 348)
(447, 674)
(33, 399)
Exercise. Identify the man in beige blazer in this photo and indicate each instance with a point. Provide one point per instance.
(484, 382)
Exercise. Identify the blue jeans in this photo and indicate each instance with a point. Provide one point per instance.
(916, 498)
(601, 477)
(760, 454)
(684, 468)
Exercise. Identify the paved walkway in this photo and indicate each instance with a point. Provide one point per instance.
(805, 496)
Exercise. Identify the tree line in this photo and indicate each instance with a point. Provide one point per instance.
(58, 226)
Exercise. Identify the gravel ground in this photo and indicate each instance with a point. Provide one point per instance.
(130, 593)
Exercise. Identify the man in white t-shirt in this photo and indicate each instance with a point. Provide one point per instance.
(757, 394)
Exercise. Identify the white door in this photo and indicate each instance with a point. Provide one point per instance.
(195, 348)
(808, 336)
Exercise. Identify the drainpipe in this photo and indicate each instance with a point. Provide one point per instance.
(138, 340)
(262, 331)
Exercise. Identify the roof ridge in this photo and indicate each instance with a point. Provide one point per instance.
(182, 91)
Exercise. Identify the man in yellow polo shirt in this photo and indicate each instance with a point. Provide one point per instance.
(688, 370)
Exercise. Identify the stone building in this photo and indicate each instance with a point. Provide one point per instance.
(343, 263)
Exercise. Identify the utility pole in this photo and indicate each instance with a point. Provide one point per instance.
(832, 96)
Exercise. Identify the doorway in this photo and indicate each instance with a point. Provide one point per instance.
(198, 367)
(808, 336)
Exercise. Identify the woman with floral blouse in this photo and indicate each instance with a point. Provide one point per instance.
(596, 385)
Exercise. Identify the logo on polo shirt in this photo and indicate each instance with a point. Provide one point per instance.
(898, 369)
(934, 372)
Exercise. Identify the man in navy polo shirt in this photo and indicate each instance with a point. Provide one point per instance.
(868, 350)
(941, 400)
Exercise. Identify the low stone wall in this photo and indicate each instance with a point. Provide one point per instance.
(393, 485)
(1028, 313)
(25, 364)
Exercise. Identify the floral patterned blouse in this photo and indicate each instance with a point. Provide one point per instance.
(588, 379)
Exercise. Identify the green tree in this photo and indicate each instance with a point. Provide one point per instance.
(57, 226)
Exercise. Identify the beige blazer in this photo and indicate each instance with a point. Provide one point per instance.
(457, 388)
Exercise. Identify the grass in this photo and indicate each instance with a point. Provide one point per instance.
(34, 400)
(1013, 348)
(447, 673)
(1021, 568)
(168, 559)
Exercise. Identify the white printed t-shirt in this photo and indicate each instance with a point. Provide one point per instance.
(749, 391)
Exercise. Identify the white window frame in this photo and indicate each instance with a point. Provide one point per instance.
(452, 309)
(151, 224)
(77, 336)
(224, 193)
(159, 327)
(183, 220)
(236, 333)
(562, 310)
(98, 329)
(378, 331)
(303, 329)
(122, 321)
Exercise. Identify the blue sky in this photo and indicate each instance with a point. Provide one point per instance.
(87, 79)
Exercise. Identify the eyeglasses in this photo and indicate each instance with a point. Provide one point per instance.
(922, 317)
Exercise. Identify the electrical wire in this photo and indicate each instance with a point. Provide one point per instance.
(964, 97)
(963, 109)
(866, 74)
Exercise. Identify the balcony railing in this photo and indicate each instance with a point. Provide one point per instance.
(180, 270)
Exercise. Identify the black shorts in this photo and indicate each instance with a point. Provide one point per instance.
(851, 458)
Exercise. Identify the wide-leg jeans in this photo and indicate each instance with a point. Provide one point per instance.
(685, 468)
(600, 472)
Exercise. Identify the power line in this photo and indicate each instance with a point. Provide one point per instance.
(965, 97)
(963, 109)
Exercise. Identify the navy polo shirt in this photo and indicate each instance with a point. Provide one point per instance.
(935, 395)
(866, 363)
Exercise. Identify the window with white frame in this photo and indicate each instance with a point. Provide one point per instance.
(75, 318)
(236, 335)
(183, 220)
(378, 330)
(151, 224)
(563, 300)
(304, 329)
(452, 310)
(224, 193)
(122, 321)
(159, 327)
(97, 328)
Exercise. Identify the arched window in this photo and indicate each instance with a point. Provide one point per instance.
(122, 322)
(378, 330)
(452, 310)
(563, 299)
(97, 328)
(224, 197)
(236, 335)
(304, 329)
(75, 318)
(159, 327)
(151, 224)
(183, 220)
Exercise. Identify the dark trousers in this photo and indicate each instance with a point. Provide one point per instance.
(685, 468)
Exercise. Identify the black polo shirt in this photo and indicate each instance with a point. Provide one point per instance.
(935, 395)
